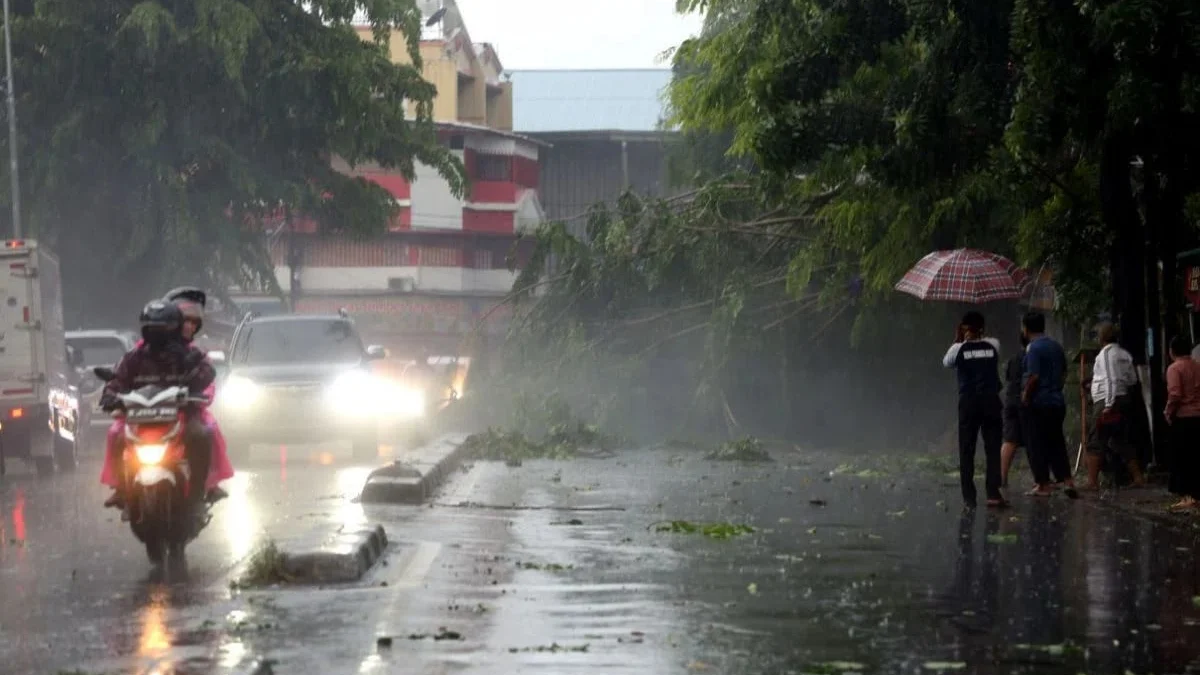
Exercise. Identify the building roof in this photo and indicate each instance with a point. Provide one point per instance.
(588, 100)
(467, 126)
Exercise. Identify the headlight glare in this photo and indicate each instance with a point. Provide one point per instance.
(354, 393)
(239, 392)
(149, 455)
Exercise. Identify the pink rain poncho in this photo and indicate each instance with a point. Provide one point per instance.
(220, 469)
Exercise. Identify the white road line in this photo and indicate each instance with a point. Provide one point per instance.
(419, 564)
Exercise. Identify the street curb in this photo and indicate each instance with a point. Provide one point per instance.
(345, 558)
(413, 480)
(1177, 521)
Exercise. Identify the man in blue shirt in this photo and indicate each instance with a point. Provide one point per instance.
(976, 361)
(1045, 368)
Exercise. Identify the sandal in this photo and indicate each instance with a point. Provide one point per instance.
(1039, 491)
(1182, 505)
(1000, 503)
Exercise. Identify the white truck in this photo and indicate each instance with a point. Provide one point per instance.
(33, 354)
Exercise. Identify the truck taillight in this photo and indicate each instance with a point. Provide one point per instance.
(14, 243)
(17, 413)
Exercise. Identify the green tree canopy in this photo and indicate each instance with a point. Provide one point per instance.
(155, 135)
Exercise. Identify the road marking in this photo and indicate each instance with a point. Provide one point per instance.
(419, 564)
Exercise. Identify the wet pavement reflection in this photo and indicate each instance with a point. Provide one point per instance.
(582, 566)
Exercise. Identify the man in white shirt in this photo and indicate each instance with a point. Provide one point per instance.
(1113, 378)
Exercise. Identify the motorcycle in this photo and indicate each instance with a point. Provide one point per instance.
(156, 469)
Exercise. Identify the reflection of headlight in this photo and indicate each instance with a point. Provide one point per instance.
(239, 392)
(150, 454)
(354, 393)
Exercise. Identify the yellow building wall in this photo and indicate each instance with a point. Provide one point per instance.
(500, 108)
(459, 98)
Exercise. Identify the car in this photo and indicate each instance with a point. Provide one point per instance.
(91, 348)
(303, 378)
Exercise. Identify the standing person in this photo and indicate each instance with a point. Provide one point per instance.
(976, 361)
(1183, 414)
(1045, 368)
(1014, 422)
(1113, 381)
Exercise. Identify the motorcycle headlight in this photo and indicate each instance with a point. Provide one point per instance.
(239, 392)
(151, 454)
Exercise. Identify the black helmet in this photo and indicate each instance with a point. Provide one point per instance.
(160, 322)
(191, 302)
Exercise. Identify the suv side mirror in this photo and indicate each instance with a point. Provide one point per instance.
(375, 353)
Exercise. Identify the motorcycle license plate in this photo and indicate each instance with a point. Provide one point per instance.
(143, 415)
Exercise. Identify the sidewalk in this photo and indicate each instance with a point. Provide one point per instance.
(1150, 502)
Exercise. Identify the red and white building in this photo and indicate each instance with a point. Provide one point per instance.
(445, 260)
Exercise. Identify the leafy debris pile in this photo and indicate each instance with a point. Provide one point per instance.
(710, 530)
(563, 441)
(748, 449)
(265, 567)
(552, 648)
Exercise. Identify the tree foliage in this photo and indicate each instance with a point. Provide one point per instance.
(873, 131)
(953, 123)
(156, 135)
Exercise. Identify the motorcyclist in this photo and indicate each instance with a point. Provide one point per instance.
(191, 302)
(163, 358)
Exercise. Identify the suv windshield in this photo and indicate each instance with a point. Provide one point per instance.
(304, 341)
(98, 351)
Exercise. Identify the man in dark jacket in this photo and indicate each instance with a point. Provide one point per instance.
(163, 359)
(976, 360)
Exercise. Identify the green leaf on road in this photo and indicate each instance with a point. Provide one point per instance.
(834, 667)
(945, 665)
(710, 530)
(1002, 538)
(748, 449)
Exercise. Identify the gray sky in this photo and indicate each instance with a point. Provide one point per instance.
(531, 34)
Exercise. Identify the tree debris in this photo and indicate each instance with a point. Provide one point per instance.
(710, 530)
(748, 449)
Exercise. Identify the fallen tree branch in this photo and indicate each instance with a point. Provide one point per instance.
(518, 507)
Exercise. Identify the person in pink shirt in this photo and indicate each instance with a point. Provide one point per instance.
(1183, 414)
(191, 303)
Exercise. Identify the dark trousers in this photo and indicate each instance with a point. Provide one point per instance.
(1185, 457)
(197, 448)
(979, 415)
(1048, 444)
(1113, 439)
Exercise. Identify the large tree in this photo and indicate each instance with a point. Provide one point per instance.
(155, 136)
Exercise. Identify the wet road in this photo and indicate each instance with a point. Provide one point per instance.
(561, 568)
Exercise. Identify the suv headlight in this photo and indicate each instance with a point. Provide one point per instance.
(353, 393)
(239, 392)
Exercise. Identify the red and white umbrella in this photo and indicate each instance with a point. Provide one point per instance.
(965, 275)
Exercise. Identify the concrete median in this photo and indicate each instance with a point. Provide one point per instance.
(413, 479)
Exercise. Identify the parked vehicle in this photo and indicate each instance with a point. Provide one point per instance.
(97, 347)
(157, 470)
(303, 379)
(33, 355)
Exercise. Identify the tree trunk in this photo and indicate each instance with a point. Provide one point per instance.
(1129, 245)
(1128, 260)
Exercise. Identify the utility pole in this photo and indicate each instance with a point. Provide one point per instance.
(12, 127)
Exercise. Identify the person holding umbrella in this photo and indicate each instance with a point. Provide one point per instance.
(976, 361)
